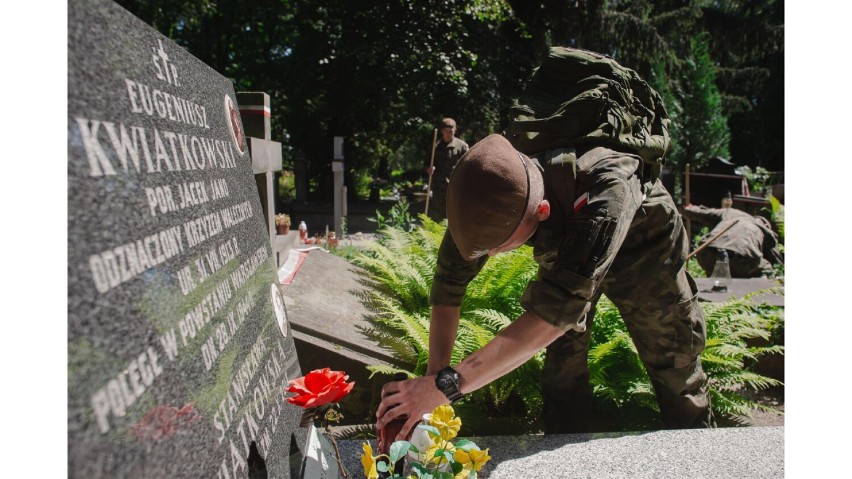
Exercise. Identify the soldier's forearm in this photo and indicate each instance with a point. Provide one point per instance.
(511, 348)
(443, 326)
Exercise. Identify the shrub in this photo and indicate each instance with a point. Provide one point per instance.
(398, 217)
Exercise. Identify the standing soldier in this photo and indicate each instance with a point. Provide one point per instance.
(447, 154)
(577, 182)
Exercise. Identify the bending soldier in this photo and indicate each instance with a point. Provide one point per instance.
(751, 243)
(599, 222)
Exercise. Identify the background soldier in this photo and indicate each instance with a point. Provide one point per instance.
(751, 243)
(447, 154)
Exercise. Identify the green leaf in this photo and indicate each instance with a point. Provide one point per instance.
(399, 449)
(420, 468)
(466, 445)
(430, 429)
(443, 452)
(381, 466)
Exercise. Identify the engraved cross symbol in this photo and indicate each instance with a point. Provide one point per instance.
(165, 58)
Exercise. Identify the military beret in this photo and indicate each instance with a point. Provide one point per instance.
(487, 196)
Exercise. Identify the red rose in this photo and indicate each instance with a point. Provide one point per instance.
(319, 387)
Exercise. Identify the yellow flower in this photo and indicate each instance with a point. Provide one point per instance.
(473, 459)
(463, 474)
(443, 418)
(369, 462)
(429, 455)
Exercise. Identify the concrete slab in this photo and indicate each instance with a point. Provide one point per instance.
(323, 301)
(739, 288)
(748, 452)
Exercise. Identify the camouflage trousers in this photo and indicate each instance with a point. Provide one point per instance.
(741, 266)
(647, 282)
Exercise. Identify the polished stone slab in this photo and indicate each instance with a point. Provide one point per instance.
(179, 346)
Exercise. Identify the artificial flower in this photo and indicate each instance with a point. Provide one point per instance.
(472, 459)
(429, 454)
(443, 418)
(433, 437)
(421, 440)
(369, 462)
(318, 388)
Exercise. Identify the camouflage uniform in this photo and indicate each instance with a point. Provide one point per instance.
(751, 244)
(626, 240)
(447, 155)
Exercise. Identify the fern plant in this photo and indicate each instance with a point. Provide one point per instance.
(398, 273)
(731, 327)
(622, 387)
(399, 270)
(776, 212)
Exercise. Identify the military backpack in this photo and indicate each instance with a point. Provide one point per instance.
(577, 97)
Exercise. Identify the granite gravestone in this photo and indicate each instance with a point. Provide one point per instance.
(179, 348)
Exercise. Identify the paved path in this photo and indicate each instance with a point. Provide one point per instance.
(736, 453)
(739, 288)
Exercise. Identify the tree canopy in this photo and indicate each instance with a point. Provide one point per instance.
(382, 74)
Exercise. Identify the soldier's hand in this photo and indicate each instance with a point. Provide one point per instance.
(409, 399)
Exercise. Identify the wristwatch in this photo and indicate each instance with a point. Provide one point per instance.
(447, 381)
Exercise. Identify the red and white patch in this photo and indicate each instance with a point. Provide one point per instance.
(232, 115)
(580, 202)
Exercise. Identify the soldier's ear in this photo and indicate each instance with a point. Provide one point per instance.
(542, 212)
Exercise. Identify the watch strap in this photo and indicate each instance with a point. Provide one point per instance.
(454, 396)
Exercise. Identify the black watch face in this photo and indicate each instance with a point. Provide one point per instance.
(443, 381)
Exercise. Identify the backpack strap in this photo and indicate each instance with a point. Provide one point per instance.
(560, 173)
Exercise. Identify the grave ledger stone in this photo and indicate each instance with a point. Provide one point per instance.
(179, 348)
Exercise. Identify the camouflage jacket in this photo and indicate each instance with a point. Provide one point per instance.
(573, 250)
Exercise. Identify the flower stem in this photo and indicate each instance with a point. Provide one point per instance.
(443, 456)
(336, 451)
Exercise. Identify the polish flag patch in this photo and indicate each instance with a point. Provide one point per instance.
(580, 202)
